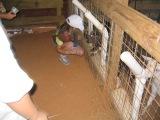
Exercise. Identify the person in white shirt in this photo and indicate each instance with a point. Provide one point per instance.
(15, 101)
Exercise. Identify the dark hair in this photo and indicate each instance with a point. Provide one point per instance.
(63, 27)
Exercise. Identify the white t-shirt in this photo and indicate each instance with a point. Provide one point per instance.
(14, 82)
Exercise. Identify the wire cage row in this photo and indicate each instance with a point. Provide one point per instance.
(135, 89)
(137, 94)
(96, 39)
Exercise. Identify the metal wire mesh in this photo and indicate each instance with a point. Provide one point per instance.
(93, 43)
(135, 97)
(126, 82)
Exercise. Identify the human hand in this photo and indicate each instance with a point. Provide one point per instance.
(39, 115)
(9, 15)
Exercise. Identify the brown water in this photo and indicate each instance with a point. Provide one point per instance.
(71, 91)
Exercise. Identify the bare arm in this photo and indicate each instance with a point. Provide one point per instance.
(27, 109)
(7, 16)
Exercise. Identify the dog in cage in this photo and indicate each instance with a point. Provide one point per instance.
(143, 96)
(94, 39)
(153, 71)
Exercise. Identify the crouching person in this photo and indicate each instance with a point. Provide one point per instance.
(67, 38)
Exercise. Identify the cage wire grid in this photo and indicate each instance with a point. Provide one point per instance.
(126, 82)
(124, 94)
(93, 43)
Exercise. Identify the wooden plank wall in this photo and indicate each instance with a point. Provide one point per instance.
(35, 12)
(143, 30)
(36, 4)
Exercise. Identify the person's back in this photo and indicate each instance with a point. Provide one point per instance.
(15, 101)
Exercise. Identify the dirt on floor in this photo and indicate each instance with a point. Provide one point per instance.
(70, 92)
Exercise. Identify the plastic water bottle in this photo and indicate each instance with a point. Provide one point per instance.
(14, 10)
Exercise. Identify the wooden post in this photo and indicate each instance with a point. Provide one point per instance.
(59, 7)
(70, 7)
(114, 57)
(124, 2)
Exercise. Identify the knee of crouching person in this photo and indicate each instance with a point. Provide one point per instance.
(81, 53)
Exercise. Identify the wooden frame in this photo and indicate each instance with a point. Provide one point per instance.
(142, 29)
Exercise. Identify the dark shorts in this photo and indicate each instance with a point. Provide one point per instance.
(75, 43)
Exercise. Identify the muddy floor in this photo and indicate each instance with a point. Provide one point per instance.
(70, 92)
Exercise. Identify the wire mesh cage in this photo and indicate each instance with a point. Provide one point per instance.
(134, 86)
(137, 94)
(96, 42)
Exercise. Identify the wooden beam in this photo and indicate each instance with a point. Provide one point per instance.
(114, 54)
(124, 2)
(142, 29)
(114, 57)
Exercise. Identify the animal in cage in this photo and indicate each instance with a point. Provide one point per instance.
(94, 39)
(153, 71)
(142, 75)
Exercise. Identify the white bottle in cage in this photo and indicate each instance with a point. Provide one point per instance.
(130, 61)
(14, 10)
